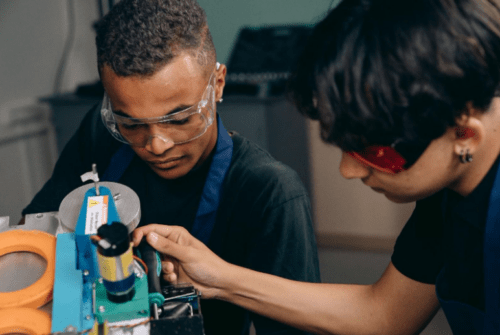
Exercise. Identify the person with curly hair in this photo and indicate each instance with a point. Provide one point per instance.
(157, 131)
(408, 90)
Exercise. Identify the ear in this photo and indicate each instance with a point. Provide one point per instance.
(220, 81)
(470, 132)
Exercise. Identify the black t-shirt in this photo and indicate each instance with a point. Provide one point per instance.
(446, 232)
(263, 221)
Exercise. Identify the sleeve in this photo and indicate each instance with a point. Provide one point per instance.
(286, 248)
(75, 159)
(284, 243)
(418, 253)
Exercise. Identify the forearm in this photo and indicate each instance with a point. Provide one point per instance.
(317, 308)
(395, 304)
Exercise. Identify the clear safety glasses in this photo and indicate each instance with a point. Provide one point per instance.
(179, 127)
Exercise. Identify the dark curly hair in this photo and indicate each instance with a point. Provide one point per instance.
(137, 37)
(380, 71)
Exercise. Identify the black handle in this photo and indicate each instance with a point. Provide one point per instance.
(148, 255)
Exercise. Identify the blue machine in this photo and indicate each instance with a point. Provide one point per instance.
(97, 281)
(80, 297)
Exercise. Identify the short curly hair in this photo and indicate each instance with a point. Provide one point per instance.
(138, 37)
(382, 71)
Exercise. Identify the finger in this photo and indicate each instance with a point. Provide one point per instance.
(171, 232)
(166, 246)
(168, 267)
(140, 232)
(171, 278)
(137, 236)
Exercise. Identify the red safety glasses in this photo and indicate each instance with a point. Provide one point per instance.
(382, 158)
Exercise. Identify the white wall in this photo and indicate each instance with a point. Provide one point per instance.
(32, 37)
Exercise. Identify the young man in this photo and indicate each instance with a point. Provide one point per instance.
(407, 90)
(157, 132)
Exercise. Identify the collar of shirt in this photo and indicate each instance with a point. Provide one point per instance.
(474, 207)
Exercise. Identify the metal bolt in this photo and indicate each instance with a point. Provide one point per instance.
(86, 273)
(100, 280)
(70, 329)
(102, 309)
(39, 216)
(88, 317)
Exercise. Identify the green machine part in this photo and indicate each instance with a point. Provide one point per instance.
(136, 308)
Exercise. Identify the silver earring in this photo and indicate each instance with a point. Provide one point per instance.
(220, 100)
(217, 65)
(465, 158)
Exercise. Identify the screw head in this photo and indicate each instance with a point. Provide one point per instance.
(102, 309)
(117, 196)
(39, 216)
(70, 328)
(100, 280)
(88, 317)
(86, 273)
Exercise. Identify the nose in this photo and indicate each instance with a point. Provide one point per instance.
(351, 168)
(157, 144)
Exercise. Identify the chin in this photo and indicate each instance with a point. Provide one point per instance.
(173, 173)
(401, 199)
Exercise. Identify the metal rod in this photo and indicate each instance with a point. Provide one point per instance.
(155, 312)
(96, 184)
(93, 298)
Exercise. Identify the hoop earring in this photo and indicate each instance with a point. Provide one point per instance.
(465, 158)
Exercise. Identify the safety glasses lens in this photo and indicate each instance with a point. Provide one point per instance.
(180, 129)
(382, 158)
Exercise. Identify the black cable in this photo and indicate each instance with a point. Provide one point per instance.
(67, 46)
(101, 8)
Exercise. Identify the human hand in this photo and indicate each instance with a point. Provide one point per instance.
(184, 258)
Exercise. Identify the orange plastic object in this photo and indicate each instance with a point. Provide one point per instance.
(40, 292)
(24, 321)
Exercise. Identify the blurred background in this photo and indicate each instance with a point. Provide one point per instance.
(49, 80)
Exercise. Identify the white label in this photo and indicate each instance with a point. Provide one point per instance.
(97, 214)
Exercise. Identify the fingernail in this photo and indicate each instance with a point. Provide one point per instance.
(153, 237)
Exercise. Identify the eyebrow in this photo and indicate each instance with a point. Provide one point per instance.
(175, 110)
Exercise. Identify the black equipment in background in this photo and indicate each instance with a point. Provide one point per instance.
(262, 59)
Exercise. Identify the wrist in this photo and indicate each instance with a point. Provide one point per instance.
(227, 281)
